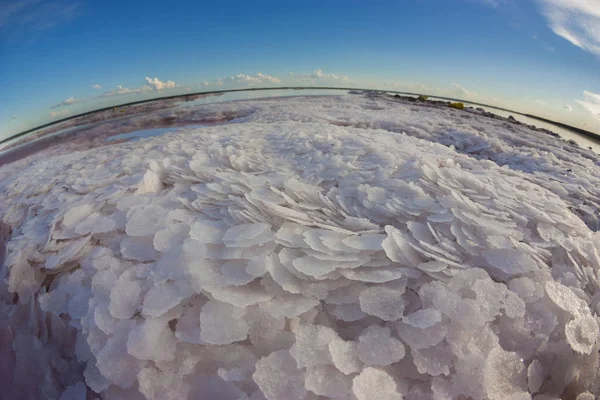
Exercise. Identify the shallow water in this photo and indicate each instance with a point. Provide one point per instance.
(144, 133)
(582, 141)
(566, 134)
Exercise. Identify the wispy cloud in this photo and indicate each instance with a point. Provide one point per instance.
(36, 15)
(205, 83)
(568, 107)
(541, 103)
(591, 103)
(159, 85)
(67, 102)
(120, 90)
(577, 21)
(154, 84)
(10, 10)
(491, 3)
(60, 113)
(318, 74)
(461, 89)
(96, 86)
(252, 79)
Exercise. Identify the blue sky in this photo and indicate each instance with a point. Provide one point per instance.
(63, 57)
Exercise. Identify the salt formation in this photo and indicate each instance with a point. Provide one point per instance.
(286, 257)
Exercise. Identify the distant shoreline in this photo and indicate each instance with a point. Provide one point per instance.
(592, 135)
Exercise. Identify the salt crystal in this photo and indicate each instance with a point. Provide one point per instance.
(345, 356)
(207, 231)
(424, 318)
(165, 296)
(326, 380)
(139, 248)
(289, 305)
(95, 223)
(374, 275)
(151, 340)
(314, 267)
(115, 363)
(385, 303)
(145, 220)
(563, 297)
(222, 323)
(504, 374)
(377, 347)
(156, 384)
(434, 361)
(585, 396)
(510, 261)
(150, 184)
(171, 236)
(77, 214)
(373, 383)
(311, 345)
(242, 296)
(365, 242)
(582, 333)
(279, 378)
(244, 234)
(347, 312)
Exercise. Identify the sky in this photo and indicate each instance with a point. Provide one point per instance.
(63, 57)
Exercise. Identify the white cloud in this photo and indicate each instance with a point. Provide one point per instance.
(318, 74)
(251, 79)
(568, 107)
(461, 89)
(205, 83)
(120, 90)
(153, 84)
(491, 3)
(67, 102)
(577, 21)
(159, 85)
(96, 86)
(60, 113)
(542, 103)
(591, 103)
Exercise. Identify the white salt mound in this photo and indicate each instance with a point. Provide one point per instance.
(312, 251)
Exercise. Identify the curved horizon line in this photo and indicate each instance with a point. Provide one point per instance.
(559, 124)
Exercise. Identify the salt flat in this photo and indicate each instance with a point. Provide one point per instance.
(346, 247)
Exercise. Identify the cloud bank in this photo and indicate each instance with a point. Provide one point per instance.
(591, 103)
(159, 85)
(152, 84)
(577, 21)
(252, 79)
(67, 102)
(318, 74)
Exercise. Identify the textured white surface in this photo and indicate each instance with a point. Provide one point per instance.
(310, 249)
